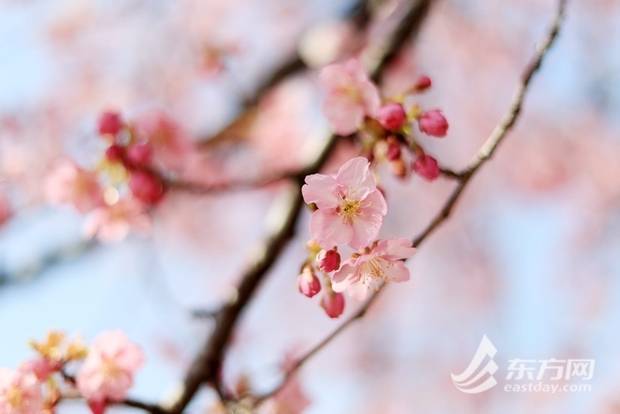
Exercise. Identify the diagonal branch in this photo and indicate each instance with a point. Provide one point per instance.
(486, 152)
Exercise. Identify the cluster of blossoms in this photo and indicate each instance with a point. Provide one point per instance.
(353, 105)
(127, 181)
(104, 376)
(349, 212)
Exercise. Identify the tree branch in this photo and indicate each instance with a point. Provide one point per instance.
(486, 152)
(207, 365)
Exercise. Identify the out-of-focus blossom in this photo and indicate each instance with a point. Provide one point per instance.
(170, 144)
(366, 271)
(350, 208)
(5, 209)
(392, 116)
(20, 393)
(67, 183)
(333, 303)
(433, 123)
(108, 372)
(139, 155)
(110, 123)
(393, 151)
(426, 166)
(146, 187)
(307, 282)
(329, 260)
(350, 96)
(111, 223)
(42, 368)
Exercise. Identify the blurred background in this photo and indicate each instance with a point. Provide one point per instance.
(530, 258)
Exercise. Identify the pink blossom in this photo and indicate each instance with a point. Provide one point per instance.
(333, 304)
(169, 143)
(67, 183)
(392, 116)
(20, 393)
(139, 155)
(146, 187)
(433, 123)
(108, 371)
(382, 262)
(350, 96)
(426, 166)
(422, 84)
(350, 207)
(114, 222)
(42, 368)
(329, 260)
(307, 282)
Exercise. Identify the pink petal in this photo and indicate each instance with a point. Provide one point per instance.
(365, 229)
(356, 177)
(396, 249)
(358, 291)
(343, 278)
(321, 190)
(328, 229)
(345, 115)
(374, 203)
(398, 272)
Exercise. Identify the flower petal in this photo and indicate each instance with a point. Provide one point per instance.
(321, 190)
(396, 249)
(355, 176)
(328, 229)
(398, 272)
(365, 229)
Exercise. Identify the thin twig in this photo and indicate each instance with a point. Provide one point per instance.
(485, 153)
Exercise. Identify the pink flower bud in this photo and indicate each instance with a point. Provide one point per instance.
(333, 304)
(97, 406)
(392, 116)
(5, 209)
(426, 166)
(139, 155)
(329, 260)
(307, 282)
(146, 187)
(433, 123)
(110, 122)
(115, 153)
(393, 150)
(422, 84)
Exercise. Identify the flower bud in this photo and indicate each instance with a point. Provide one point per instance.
(426, 166)
(307, 282)
(433, 123)
(422, 84)
(110, 123)
(392, 116)
(329, 260)
(97, 406)
(333, 304)
(399, 168)
(115, 153)
(139, 155)
(146, 187)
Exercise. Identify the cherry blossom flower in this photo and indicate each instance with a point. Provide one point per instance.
(350, 207)
(112, 223)
(426, 166)
(433, 123)
(108, 371)
(20, 393)
(350, 96)
(70, 184)
(42, 368)
(366, 271)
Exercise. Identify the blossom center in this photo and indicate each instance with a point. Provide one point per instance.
(373, 273)
(349, 209)
(110, 368)
(15, 397)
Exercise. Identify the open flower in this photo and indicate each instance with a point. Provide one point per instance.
(67, 183)
(114, 222)
(20, 393)
(350, 96)
(108, 371)
(350, 207)
(366, 271)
